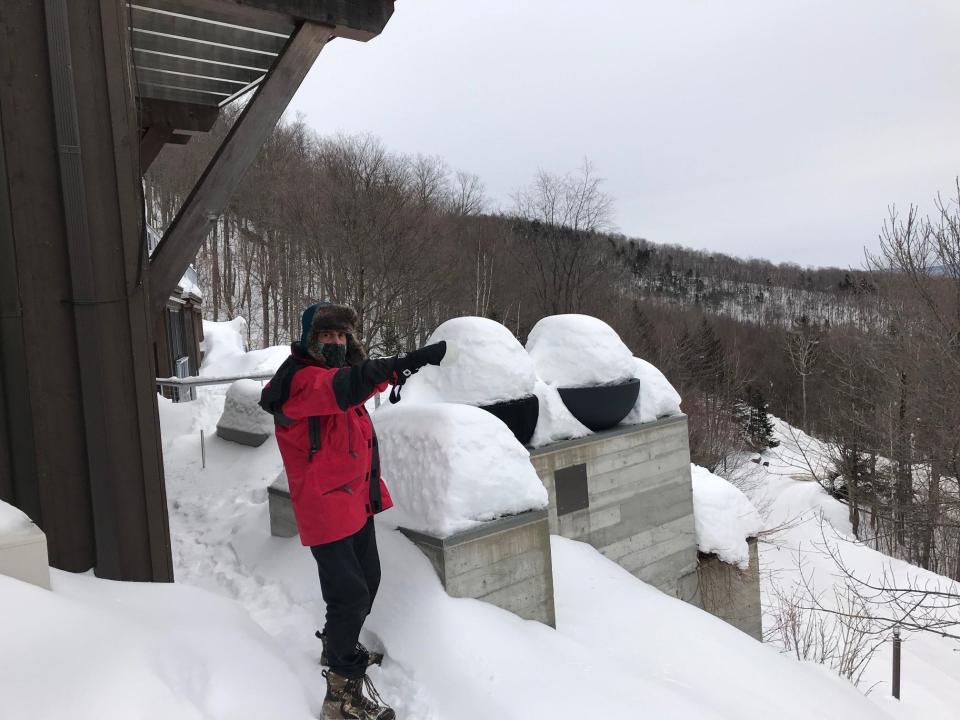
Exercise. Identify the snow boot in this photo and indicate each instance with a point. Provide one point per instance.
(345, 699)
(373, 658)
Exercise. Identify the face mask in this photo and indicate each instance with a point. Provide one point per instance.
(333, 354)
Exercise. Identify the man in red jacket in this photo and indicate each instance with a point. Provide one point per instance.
(329, 451)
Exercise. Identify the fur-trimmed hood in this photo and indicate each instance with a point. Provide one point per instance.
(323, 316)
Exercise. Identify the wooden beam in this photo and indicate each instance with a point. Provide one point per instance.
(176, 115)
(49, 464)
(87, 443)
(145, 40)
(187, 82)
(145, 60)
(136, 481)
(151, 143)
(235, 155)
(225, 11)
(353, 19)
(199, 29)
(18, 466)
(150, 91)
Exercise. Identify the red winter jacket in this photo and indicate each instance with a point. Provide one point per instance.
(331, 492)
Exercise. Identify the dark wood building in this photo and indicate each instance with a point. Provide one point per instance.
(177, 335)
(90, 91)
(178, 329)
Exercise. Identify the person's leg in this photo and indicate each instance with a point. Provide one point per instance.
(344, 587)
(369, 557)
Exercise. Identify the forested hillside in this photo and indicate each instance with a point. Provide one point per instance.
(866, 359)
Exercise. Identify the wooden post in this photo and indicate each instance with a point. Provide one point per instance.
(234, 156)
(896, 663)
(81, 431)
(152, 142)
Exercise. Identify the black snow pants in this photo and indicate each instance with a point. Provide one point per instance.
(349, 578)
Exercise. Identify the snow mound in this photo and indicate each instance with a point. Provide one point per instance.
(451, 467)
(484, 364)
(578, 350)
(242, 411)
(13, 521)
(657, 398)
(555, 422)
(223, 340)
(724, 518)
(137, 650)
(225, 352)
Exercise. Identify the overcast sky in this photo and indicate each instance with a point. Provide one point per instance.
(760, 128)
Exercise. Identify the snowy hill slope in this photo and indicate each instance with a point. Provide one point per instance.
(806, 556)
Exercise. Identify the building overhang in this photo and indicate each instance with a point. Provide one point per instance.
(194, 57)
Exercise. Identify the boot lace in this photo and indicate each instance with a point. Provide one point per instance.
(374, 702)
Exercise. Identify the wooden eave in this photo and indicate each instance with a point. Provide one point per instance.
(193, 57)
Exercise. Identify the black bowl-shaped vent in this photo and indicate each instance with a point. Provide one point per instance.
(600, 407)
(518, 415)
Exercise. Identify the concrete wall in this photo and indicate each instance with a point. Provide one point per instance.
(505, 562)
(733, 594)
(282, 521)
(639, 500)
(638, 511)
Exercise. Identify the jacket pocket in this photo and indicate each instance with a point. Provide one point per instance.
(343, 488)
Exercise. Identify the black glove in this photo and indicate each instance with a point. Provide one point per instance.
(406, 364)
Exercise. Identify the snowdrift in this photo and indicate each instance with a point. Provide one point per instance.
(436, 459)
(233, 638)
(577, 351)
(485, 364)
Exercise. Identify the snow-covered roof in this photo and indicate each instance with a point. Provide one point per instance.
(189, 287)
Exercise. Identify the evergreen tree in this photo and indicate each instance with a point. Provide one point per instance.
(757, 421)
(647, 346)
(711, 357)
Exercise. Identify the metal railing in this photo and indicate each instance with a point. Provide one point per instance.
(200, 381)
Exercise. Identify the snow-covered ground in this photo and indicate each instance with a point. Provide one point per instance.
(806, 559)
(245, 649)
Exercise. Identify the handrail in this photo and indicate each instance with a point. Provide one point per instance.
(198, 381)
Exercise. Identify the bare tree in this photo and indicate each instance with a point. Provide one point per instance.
(556, 237)
(803, 348)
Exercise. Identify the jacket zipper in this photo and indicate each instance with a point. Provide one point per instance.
(353, 453)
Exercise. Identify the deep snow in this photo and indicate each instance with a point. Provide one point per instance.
(13, 521)
(724, 518)
(242, 411)
(484, 364)
(438, 459)
(97, 649)
(657, 398)
(555, 422)
(806, 530)
(578, 350)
